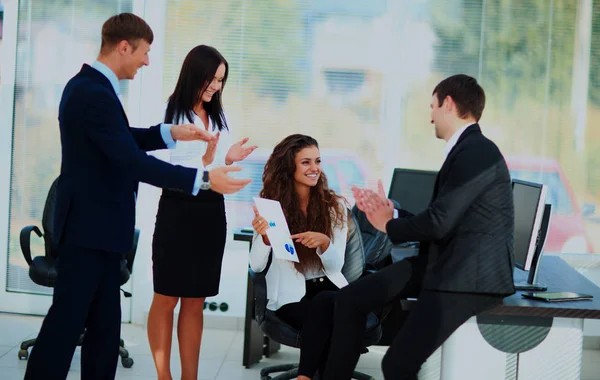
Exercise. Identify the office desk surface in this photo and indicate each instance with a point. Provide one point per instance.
(558, 276)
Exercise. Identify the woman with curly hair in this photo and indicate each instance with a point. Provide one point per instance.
(317, 219)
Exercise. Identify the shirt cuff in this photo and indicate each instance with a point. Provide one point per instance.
(165, 132)
(197, 182)
(395, 214)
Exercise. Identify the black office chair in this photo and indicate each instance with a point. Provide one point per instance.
(281, 332)
(42, 269)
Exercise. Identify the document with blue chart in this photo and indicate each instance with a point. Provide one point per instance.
(278, 231)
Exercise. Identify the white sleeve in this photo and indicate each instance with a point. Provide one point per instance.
(333, 257)
(259, 254)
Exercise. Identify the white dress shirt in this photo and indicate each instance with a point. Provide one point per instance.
(284, 283)
(189, 153)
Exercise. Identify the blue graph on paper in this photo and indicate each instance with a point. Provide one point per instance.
(272, 224)
(289, 248)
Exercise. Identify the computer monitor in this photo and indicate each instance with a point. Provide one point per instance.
(530, 211)
(413, 189)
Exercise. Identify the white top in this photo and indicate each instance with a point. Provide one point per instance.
(284, 283)
(454, 139)
(189, 153)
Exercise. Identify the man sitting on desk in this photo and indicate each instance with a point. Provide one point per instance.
(465, 263)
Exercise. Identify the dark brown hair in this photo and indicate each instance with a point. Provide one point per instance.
(325, 208)
(125, 27)
(467, 94)
(198, 70)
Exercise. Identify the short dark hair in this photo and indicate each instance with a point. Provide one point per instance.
(125, 27)
(467, 94)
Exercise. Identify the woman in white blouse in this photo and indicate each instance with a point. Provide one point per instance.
(317, 219)
(189, 237)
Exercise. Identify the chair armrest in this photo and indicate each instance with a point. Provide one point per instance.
(25, 241)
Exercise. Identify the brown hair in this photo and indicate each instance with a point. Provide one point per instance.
(467, 94)
(125, 27)
(325, 208)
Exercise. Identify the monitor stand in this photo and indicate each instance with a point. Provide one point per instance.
(532, 287)
(532, 284)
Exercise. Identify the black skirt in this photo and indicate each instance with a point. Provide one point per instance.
(188, 244)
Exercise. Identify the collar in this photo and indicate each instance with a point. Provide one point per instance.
(454, 139)
(109, 74)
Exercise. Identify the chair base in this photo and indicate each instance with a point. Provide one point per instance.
(290, 372)
(126, 361)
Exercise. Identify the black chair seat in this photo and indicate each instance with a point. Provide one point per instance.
(42, 271)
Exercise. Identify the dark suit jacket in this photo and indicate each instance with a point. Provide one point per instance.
(103, 159)
(467, 230)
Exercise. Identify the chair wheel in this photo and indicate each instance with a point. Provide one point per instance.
(127, 362)
(265, 378)
(23, 354)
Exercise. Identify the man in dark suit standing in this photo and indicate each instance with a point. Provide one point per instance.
(103, 160)
(465, 263)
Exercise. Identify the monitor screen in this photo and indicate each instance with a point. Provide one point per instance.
(529, 200)
(413, 189)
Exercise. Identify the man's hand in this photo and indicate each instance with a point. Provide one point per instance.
(376, 206)
(190, 132)
(238, 152)
(313, 240)
(221, 182)
(211, 149)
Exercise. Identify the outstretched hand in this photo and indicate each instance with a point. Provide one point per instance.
(190, 132)
(221, 182)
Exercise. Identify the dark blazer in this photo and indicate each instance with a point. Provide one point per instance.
(103, 159)
(467, 230)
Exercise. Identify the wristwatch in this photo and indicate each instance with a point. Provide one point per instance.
(205, 185)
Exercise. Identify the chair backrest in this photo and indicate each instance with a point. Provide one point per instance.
(48, 220)
(354, 258)
(377, 245)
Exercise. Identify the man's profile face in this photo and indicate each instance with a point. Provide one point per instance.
(437, 116)
(134, 58)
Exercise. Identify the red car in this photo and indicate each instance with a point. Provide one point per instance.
(567, 233)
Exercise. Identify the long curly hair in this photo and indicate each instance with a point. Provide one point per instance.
(325, 209)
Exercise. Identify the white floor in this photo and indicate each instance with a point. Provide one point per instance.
(220, 357)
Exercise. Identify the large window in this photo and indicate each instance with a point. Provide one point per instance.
(358, 76)
(54, 38)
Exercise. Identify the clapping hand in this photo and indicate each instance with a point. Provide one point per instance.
(190, 132)
(209, 155)
(238, 151)
(375, 205)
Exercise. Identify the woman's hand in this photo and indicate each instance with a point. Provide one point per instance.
(209, 156)
(261, 226)
(238, 151)
(313, 240)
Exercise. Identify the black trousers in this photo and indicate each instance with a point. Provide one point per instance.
(86, 296)
(313, 317)
(434, 318)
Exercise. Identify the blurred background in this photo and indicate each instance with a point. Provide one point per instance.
(355, 74)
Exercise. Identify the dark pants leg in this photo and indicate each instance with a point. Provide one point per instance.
(355, 301)
(313, 317)
(81, 274)
(434, 318)
(100, 349)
